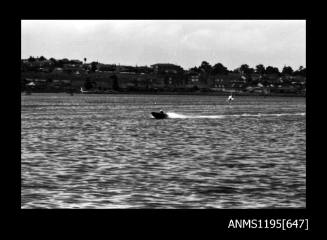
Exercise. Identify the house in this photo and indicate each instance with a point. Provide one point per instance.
(46, 63)
(126, 69)
(256, 77)
(194, 78)
(137, 81)
(157, 82)
(228, 82)
(272, 78)
(283, 89)
(86, 66)
(106, 67)
(76, 62)
(258, 90)
(65, 81)
(144, 69)
(58, 70)
(73, 68)
(44, 70)
(299, 79)
(162, 68)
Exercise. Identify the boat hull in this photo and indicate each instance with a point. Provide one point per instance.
(157, 115)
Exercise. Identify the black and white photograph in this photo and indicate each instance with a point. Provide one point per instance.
(163, 114)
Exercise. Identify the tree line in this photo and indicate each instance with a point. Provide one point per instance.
(205, 67)
(219, 68)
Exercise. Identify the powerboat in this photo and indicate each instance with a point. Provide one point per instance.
(159, 115)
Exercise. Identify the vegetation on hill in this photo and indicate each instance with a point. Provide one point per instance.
(68, 75)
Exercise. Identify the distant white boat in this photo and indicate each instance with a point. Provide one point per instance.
(230, 98)
(82, 91)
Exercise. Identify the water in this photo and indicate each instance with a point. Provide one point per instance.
(106, 151)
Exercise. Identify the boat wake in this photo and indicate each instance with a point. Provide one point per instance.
(177, 115)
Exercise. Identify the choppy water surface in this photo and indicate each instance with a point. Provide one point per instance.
(106, 151)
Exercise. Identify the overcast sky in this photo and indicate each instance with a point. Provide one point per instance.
(183, 42)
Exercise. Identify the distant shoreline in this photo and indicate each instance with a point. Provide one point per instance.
(178, 93)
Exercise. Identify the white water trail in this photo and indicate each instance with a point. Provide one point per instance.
(177, 115)
(183, 116)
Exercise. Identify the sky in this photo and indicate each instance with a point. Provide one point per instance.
(183, 42)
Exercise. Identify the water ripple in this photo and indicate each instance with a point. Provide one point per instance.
(105, 151)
